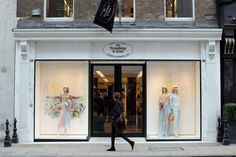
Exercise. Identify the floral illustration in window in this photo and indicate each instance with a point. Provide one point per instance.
(64, 107)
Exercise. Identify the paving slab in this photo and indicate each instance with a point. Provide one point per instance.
(148, 149)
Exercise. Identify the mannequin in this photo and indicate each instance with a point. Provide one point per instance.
(175, 109)
(65, 106)
(164, 112)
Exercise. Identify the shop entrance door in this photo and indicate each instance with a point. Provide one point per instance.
(129, 81)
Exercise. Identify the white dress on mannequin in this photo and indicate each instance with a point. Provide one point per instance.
(175, 108)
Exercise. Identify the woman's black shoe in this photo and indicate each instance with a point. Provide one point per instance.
(132, 144)
(111, 149)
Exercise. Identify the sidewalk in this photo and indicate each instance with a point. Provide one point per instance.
(149, 149)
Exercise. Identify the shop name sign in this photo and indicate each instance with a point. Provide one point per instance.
(118, 49)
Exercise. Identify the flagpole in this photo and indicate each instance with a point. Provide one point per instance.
(119, 9)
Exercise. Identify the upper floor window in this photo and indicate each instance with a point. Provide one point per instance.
(125, 10)
(179, 9)
(55, 9)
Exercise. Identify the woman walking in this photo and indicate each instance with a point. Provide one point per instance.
(116, 112)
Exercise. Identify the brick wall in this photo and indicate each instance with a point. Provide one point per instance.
(86, 9)
(149, 9)
(145, 9)
(205, 9)
(25, 7)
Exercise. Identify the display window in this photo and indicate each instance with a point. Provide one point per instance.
(174, 102)
(61, 100)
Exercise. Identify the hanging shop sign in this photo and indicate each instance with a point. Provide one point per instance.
(118, 49)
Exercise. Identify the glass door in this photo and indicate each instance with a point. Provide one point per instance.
(132, 98)
(103, 89)
(126, 79)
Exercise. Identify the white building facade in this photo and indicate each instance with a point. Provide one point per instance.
(7, 63)
(139, 63)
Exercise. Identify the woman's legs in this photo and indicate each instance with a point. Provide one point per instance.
(113, 135)
(126, 139)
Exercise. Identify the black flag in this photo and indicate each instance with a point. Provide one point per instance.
(106, 14)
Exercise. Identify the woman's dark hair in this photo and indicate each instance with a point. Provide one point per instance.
(117, 95)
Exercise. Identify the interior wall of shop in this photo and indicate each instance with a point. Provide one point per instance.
(158, 50)
(7, 51)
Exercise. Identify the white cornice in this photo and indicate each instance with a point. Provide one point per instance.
(118, 34)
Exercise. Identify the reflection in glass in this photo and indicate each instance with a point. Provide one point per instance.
(132, 98)
(128, 79)
(59, 8)
(126, 8)
(179, 8)
(103, 89)
(228, 79)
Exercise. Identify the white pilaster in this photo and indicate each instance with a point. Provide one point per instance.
(213, 88)
(24, 91)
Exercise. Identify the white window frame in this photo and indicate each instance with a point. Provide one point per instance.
(57, 18)
(128, 19)
(180, 18)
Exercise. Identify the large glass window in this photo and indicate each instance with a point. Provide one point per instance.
(173, 90)
(125, 9)
(59, 8)
(61, 100)
(179, 8)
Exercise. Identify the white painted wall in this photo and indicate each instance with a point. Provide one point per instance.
(212, 88)
(94, 50)
(7, 51)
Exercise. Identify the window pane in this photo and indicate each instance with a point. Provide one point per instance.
(179, 8)
(103, 89)
(132, 98)
(126, 8)
(173, 90)
(59, 8)
(106, 80)
(228, 80)
(61, 103)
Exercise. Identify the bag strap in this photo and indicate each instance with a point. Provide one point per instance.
(121, 108)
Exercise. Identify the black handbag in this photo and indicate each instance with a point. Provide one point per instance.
(120, 123)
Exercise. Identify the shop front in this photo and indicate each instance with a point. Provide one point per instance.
(169, 80)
